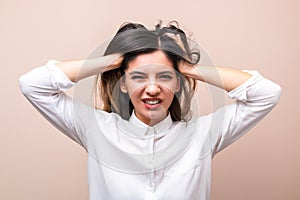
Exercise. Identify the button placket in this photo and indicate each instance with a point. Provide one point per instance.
(151, 180)
(151, 146)
(151, 132)
(151, 175)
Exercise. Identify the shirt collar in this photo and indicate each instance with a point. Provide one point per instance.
(158, 128)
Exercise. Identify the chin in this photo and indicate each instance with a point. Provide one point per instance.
(156, 115)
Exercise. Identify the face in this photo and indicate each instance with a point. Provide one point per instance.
(151, 81)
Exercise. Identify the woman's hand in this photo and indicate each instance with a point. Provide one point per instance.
(113, 61)
(187, 69)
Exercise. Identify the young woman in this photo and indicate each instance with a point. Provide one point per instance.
(143, 143)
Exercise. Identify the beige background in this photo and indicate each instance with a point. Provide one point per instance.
(37, 162)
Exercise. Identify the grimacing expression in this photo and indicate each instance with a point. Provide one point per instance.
(150, 81)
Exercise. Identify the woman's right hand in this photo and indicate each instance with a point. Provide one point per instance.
(114, 61)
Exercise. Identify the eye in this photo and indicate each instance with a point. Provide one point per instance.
(138, 77)
(165, 77)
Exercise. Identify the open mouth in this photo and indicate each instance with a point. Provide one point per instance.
(152, 103)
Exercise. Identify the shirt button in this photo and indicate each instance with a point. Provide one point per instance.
(151, 185)
(151, 181)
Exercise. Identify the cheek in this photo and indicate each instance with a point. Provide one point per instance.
(134, 93)
(169, 97)
(171, 87)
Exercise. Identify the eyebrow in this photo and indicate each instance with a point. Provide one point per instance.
(142, 73)
(166, 72)
(136, 72)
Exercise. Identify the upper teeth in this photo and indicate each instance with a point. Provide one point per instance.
(152, 102)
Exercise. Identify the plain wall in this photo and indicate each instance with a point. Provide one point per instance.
(38, 162)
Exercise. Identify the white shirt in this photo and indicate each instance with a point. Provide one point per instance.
(131, 160)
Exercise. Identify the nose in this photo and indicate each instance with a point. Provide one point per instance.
(152, 89)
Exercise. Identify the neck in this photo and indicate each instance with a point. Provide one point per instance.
(151, 121)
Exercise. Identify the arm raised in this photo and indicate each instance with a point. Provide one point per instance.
(80, 69)
(225, 78)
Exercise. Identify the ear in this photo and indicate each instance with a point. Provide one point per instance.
(178, 84)
(123, 85)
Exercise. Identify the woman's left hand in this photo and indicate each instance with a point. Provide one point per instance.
(188, 69)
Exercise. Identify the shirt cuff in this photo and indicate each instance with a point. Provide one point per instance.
(59, 79)
(240, 93)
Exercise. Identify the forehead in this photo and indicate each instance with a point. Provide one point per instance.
(157, 58)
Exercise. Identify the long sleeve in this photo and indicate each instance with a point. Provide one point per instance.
(43, 87)
(254, 100)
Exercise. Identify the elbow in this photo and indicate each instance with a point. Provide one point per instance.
(24, 84)
(276, 93)
(271, 92)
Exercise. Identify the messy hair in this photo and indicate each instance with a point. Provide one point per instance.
(132, 40)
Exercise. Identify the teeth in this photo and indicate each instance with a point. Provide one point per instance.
(152, 102)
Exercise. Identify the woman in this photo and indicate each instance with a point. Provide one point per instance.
(143, 144)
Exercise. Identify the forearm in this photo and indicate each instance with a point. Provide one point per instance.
(225, 78)
(80, 69)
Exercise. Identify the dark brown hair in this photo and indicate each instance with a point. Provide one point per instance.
(132, 40)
